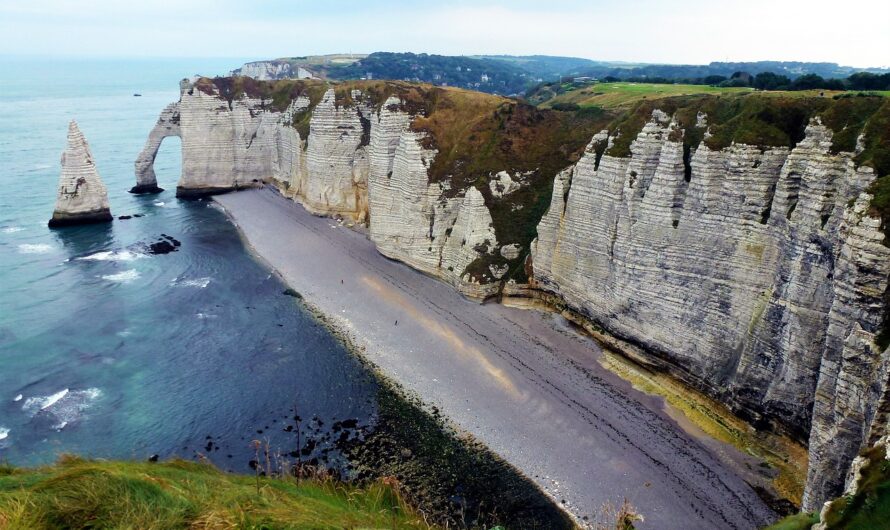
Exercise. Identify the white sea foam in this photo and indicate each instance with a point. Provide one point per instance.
(202, 316)
(18, 397)
(160, 203)
(122, 277)
(113, 255)
(216, 206)
(4, 433)
(39, 248)
(192, 282)
(36, 404)
(64, 407)
(12, 229)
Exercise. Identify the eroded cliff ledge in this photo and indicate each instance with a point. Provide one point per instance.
(736, 242)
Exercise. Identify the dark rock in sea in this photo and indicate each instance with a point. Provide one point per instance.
(161, 247)
(154, 458)
(124, 217)
(145, 189)
(291, 292)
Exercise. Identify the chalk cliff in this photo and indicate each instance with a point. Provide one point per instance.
(756, 271)
(82, 196)
(757, 279)
(167, 125)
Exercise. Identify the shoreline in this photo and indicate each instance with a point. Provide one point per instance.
(522, 501)
(570, 427)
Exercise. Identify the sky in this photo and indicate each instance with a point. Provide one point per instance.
(855, 33)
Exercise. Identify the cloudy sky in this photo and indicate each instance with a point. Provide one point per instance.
(854, 33)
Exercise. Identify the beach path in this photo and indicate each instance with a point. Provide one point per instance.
(522, 382)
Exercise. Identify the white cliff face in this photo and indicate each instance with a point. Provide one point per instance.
(337, 160)
(167, 125)
(419, 222)
(82, 196)
(270, 70)
(731, 279)
(359, 162)
(225, 145)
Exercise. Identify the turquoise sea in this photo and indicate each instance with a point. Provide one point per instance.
(109, 351)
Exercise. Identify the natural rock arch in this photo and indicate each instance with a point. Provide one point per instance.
(167, 125)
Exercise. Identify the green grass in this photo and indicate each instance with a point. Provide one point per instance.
(76, 493)
(869, 509)
(800, 521)
(613, 95)
(623, 94)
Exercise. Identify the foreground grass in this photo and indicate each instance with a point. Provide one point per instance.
(77, 493)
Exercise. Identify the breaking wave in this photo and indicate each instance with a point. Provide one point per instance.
(193, 282)
(4, 433)
(11, 229)
(64, 407)
(122, 277)
(113, 255)
(39, 248)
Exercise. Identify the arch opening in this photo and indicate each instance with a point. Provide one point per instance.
(166, 126)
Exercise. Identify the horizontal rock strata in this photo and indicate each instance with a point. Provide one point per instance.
(754, 279)
(82, 197)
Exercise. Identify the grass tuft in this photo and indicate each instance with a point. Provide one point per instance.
(77, 493)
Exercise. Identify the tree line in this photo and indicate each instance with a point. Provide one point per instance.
(773, 81)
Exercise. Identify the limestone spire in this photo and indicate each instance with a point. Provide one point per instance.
(82, 195)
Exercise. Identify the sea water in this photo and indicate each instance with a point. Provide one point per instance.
(108, 350)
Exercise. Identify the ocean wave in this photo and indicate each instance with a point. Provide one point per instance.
(4, 433)
(36, 404)
(203, 316)
(39, 248)
(122, 277)
(64, 407)
(193, 282)
(11, 229)
(18, 397)
(113, 255)
(216, 206)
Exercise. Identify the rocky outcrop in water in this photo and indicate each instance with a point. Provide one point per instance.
(756, 273)
(82, 196)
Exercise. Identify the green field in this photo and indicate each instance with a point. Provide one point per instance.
(611, 95)
(621, 94)
(78, 493)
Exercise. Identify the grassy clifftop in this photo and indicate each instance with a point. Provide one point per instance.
(77, 493)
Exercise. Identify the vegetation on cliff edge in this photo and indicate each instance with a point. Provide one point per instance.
(868, 509)
(76, 493)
